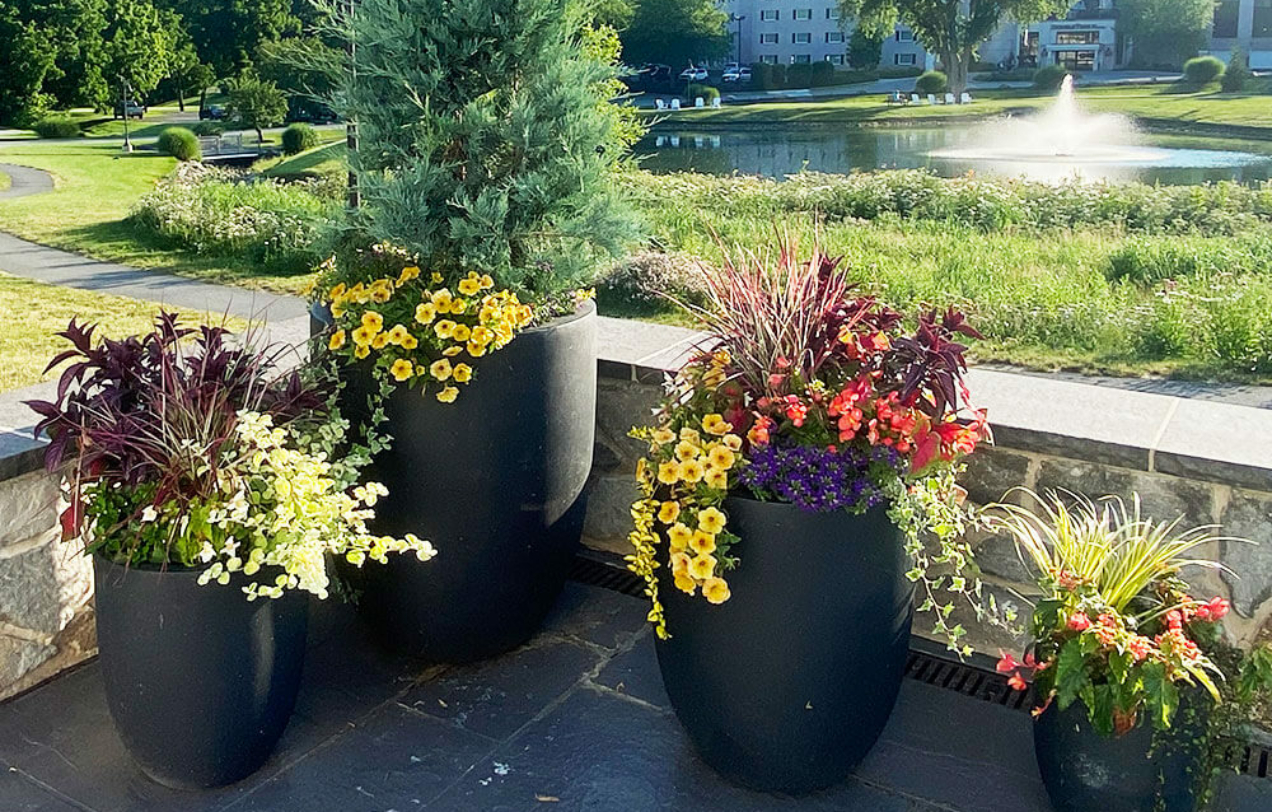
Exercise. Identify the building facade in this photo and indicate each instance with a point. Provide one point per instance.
(1244, 24)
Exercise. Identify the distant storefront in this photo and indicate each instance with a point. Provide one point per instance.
(1078, 45)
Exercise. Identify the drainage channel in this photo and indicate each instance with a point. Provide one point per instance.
(607, 571)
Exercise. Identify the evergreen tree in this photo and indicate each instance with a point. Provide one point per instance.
(485, 137)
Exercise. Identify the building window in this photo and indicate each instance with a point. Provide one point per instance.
(1227, 13)
(1077, 38)
(802, 14)
(903, 59)
(832, 13)
(769, 15)
(769, 59)
(835, 59)
(905, 35)
(801, 59)
(802, 38)
(768, 38)
(1076, 60)
(834, 36)
(1262, 18)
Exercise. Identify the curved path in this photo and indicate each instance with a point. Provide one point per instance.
(34, 261)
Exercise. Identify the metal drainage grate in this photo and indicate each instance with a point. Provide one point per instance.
(608, 572)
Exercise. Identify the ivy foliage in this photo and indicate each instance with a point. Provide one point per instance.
(485, 138)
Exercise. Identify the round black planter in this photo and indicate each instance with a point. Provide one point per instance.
(200, 682)
(1084, 771)
(495, 481)
(787, 685)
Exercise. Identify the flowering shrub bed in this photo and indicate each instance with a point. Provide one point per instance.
(809, 394)
(218, 211)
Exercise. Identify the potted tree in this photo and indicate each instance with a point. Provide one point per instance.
(792, 470)
(1126, 663)
(485, 170)
(193, 465)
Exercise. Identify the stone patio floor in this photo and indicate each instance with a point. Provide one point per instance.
(576, 720)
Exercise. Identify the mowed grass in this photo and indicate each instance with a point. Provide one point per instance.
(324, 160)
(1160, 103)
(35, 311)
(96, 186)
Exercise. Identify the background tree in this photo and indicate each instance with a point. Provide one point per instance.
(865, 49)
(257, 104)
(1238, 75)
(676, 32)
(1166, 32)
(952, 29)
(71, 31)
(140, 46)
(27, 59)
(482, 142)
(300, 67)
(227, 33)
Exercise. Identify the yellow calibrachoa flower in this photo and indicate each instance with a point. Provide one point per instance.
(716, 424)
(462, 373)
(410, 342)
(486, 282)
(361, 351)
(691, 436)
(425, 312)
(476, 350)
(691, 471)
(337, 340)
(397, 334)
(373, 321)
(381, 291)
(679, 536)
(702, 566)
(663, 436)
(470, 286)
(442, 299)
(669, 473)
(716, 590)
(702, 542)
(380, 341)
(716, 478)
(461, 332)
(408, 273)
(440, 369)
(336, 292)
(458, 306)
(444, 328)
(732, 442)
(680, 562)
(711, 521)
(435, 277)
(686, 451)
(720, 457)
(685, 583)
(451, 352)
(448, 394)
(402, 369)
(362, 336)
(668, 511)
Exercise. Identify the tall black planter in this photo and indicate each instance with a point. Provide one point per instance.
(1084, 771)
(494, 480)
(787, 685)
(200, 682)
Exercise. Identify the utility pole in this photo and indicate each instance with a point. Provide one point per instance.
(738, 18)
(123, 108)
(351, 127)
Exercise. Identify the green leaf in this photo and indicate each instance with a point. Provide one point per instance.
(1071, 674)
(1161, 694)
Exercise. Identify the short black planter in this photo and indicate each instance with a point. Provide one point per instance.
(1084, 771)
(787, 685)
(200, 682)
(495, 481)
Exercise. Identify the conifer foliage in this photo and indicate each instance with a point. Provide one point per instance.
(485, 138)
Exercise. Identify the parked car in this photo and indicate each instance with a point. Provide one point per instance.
(736, 74)
(310, 111)
(656, 73)
(130, 108)
(693, 74)
(213, 112)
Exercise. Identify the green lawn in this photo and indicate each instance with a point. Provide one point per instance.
(5, 181)
(1160, 103)
(96, 188)
(323, 160)
(35, 311)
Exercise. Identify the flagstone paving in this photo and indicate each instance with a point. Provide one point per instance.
(576, 720)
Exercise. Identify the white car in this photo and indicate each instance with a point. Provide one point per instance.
(737, 75)
(693, 74)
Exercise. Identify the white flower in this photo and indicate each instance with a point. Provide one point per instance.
(207, 553)
(149, 514)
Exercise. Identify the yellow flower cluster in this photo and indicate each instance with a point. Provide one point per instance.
(474, 319)
(682, 489)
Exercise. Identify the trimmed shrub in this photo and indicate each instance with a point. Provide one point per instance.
(931, 82)
(180, 143)
(800, 75)
(823, 74)
(299, 137)
(1049, 77)
(57, 128)
(1203, 70)
(1237, 74)
(706, 92)
(647, 278)
(768, 77)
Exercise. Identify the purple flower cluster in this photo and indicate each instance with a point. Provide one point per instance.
(818, 479)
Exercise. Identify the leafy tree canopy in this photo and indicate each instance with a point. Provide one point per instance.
(256, 103)
(676, 32)
(226, 33)
(1166, 32)
(140, 45)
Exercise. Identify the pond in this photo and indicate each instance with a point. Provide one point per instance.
(780, 150)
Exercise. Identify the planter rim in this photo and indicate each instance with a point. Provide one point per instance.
(321, 313)
(154, 569)
(772, 504)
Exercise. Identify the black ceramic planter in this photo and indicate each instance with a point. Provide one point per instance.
(200, 681)
(1084, 771)
(495, 481)
(787, 685)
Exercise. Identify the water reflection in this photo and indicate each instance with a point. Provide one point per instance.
(777, 151)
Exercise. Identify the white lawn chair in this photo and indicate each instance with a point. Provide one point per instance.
(675, 140)
(931, 98)
(914, 98)
(675, 104)
(949, 98)
(660, 104)
(715, 103)
(966, 98)
(698, 102)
